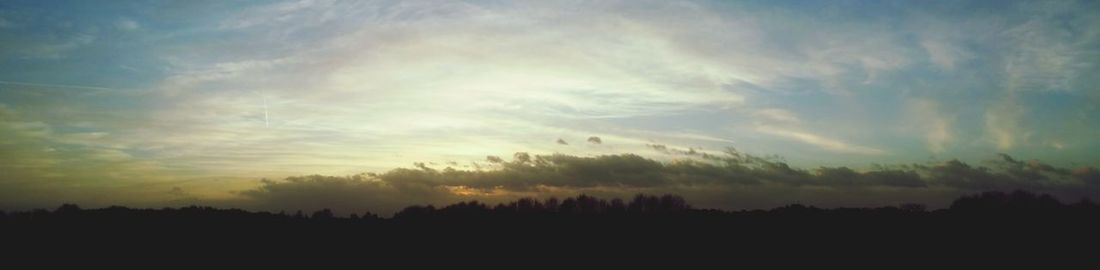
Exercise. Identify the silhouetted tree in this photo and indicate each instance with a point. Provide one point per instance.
(667, 203)
(528, 205)
(552, 204)
(1017, 201)
(569, 205)
(415, 212)
(616, 205)
(368, 216)
(67, 209)
(912, 207)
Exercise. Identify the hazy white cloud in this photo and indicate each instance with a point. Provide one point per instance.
(944, 54)
(928, 117)
(126, 24)
(1003, 124)
(44, 164)
(57, 49)
(778, 115)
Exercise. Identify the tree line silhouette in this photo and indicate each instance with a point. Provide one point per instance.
(992, 219)
(664, 207)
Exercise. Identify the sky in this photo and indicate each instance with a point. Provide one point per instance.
(373, 105)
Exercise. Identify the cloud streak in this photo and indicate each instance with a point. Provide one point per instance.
(785, 124)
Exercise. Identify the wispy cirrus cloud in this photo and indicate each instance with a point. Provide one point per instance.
(785, 124)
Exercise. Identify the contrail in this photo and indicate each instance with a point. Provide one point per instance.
(264, 97)
(59, 86)
(265, 109)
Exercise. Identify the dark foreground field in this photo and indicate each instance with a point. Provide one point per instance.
(989, 223)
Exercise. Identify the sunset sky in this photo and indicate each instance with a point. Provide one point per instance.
(167, 103)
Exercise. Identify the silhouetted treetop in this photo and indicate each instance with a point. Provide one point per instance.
(1017, 201)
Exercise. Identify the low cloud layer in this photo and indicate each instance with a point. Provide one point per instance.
(732, 180)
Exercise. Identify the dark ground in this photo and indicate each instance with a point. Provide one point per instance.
(991, 227)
